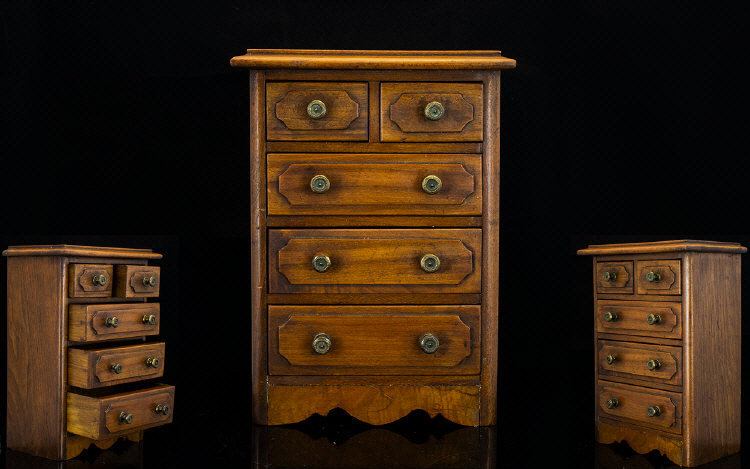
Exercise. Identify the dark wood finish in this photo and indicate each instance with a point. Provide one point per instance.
(623, 282)
(375, 146)
(92, 368)
(374, 184)
(631, 318)
(82, 285)
(642, 440)
(669, 278)
(88, 323)
(631, 362)
(334, 221)
(129, 281)
(81, 251)
(358, 380)
(633, 402)
(683, 245)
(374, 298)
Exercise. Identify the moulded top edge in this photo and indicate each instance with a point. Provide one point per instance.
(82, 251)
(662, 246)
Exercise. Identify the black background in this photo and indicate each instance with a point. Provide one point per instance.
(124, 125)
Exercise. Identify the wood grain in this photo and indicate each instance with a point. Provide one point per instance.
(92, 368)
(630, 362)
(88, 322)
(683, 245)
(642, 440)
(375, 146)
(129, 281)
(81, 283)
(374, 298)
(81, 251)
(669, 281)
(623, 282)
(354, 221)
(633, 401)
(631, 318)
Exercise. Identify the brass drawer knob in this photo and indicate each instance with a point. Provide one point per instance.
(149, 281)
(653, 319)
(653, 411)
(149, 319)
(152, 362)
(610, 359)
(653, 364)
(612, 403)
(316, 109)
(321, 263)
(116, 368)
(434, 111)
(432, 184)
(322, 343)
(126, 417)
(609, 276)
(429, 263)
(610, 316)
(162, 409)
(429, 343)
(99, 280)
(112, 321)
(653, 276)
(320, 184)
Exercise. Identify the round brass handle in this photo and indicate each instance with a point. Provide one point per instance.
(610, 359)
(434, 111)
(430, 263)
(149, 281)
(653, 319)
(429, 343)
(149, 319)
(432, 184)
(653, 364)
(322, 343)
(320, 184)
(610, 316)
(316, 109)
(99, 280)
(116, 368)
(609, 276)
(112, 321)
(321, 263)
(152, 362)
(612, 403)
(653, 276)
(653, 411)
(126, 417)
(162, 409)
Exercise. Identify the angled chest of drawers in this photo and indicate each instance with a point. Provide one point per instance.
(374, 208)
(667, 318)
(80, 371)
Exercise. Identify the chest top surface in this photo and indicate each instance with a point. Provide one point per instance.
(683, 245)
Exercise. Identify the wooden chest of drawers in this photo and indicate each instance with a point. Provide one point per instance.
(667, 318)
(374, 211)
(78, 320)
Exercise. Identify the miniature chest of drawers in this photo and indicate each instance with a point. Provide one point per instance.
(374, 211)
(78, 359)
(667, 318)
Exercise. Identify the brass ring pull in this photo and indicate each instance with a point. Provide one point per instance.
(653, 276)
(322, 343)
(610, 359)
(321, 263)
(434, 111)
(653, 411)
(152, 362)
(612, 403)
(432, 184)
(126, 418)
(429, 263)
(610, 316)
(653, 319)
(112, 322)
(99, 280)
(149, 319)
(116, 368)
(653, 364)
(429, 343)
(609, 276)
(316, 109)
(320, 184)
(162, 409)
(149, 281)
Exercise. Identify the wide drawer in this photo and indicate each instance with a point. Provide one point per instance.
(308, 111)
(94, 368)
(431, 112)
(93, 323)
(375, 261)
(643, 406)
(105, 417)
(371, 184)
(640, 318)
(659, 277)
(645, 362)
(90, 280)
(137, 281)
(374, 340)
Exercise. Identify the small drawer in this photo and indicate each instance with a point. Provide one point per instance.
(137, 281)
(374, 340)
(653, 363)
(614, 277)
(659, 277)
(431, 112)
(640, 318)
(94, 368)
(309, 111)
(89, 280)
(375, 261)
(94, 323)
(347, 184)
(106, 417)
(644, 406)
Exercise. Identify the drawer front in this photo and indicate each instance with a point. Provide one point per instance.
(614, 277)
(349, 184)
(374, 340)
(643, 406)
(659, 277)
(94, 368)
(137, 281)
(309, 111)
(653, 363)
(431, 112)
(93, 323)
(101, 418)
(640, 318)
(89, 280)
(375, 261)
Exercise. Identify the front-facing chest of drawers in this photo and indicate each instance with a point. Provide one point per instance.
(374, 206)
(667, 321)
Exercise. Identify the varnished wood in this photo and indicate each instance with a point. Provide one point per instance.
(643, 440)
(81, 282)
(129, 281)
(684, 245)
(334, 221)
(88, 323)
(374, 298)
(91, 368)
(631, 317)
(670, 280)
(631, 359)
(633, 401)
(374, 147)
(358, 380)
(80, 251)
(623, 282)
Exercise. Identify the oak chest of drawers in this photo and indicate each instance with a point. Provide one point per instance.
(80, 370)
(374, 211)
(667, 318)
